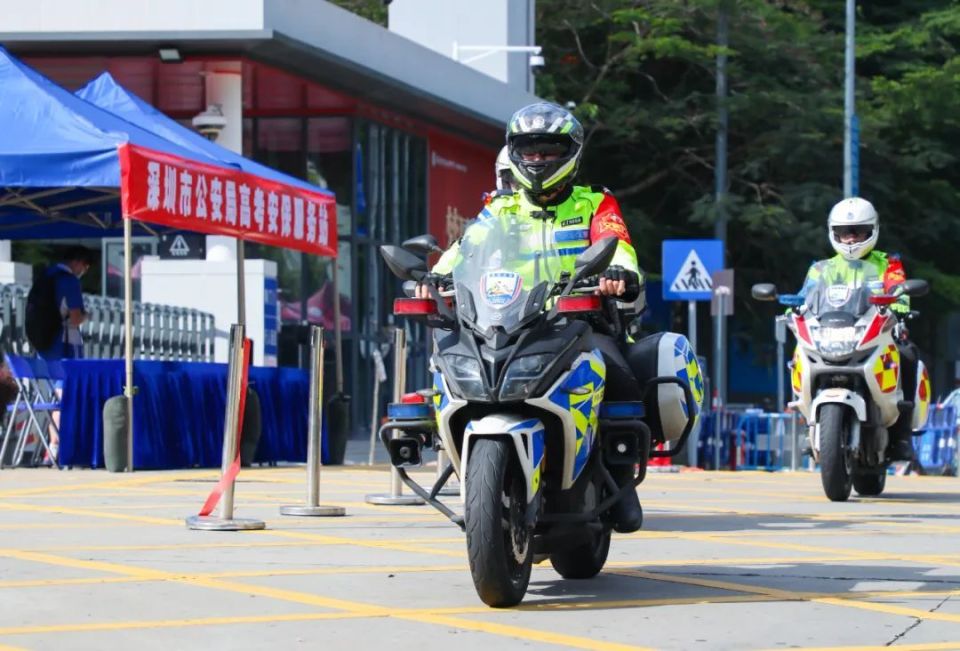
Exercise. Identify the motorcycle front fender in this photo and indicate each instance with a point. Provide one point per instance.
(528, 436)
(848, 399)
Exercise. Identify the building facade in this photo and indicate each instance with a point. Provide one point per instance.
(405, 137)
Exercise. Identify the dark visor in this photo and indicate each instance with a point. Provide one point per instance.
(541, 144)
(853, 230)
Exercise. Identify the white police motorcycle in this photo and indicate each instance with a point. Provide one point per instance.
(518, 405)
(846, 378)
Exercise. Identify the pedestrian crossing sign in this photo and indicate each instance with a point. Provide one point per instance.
(687, 268)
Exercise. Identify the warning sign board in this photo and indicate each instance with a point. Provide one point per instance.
(688, 267)
(182, 246)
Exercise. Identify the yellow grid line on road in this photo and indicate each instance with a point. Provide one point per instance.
(790, 595)
(351, 607)
(926, 646)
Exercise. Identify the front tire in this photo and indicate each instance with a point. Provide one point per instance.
(870, 485)
(835, 459)
(498, 539)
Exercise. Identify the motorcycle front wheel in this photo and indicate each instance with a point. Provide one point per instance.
(498, 539)
(835, 459)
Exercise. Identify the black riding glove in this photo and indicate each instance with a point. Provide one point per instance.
(631, 280)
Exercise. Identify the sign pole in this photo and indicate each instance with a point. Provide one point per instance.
(719, 367)
(780, 334)
(128, 390)
(692, 325)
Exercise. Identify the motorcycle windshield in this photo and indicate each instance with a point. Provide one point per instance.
(500, 263)
(851, 298)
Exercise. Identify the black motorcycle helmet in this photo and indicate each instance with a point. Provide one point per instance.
(544, 142)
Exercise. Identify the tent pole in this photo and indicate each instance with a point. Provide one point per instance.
(241, 286)
(128, 333)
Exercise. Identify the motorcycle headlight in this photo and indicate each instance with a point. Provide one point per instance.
(836, 343)
(467, 376)
(522, 375)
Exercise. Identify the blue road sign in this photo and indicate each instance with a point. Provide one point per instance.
(687, 268)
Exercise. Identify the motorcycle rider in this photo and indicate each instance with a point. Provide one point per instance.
(853, 227)
(505, 182)
(543, 153)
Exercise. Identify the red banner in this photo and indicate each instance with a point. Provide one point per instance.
(175, 192)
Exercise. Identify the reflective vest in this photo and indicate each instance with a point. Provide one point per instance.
(876, 266)
(586, 216)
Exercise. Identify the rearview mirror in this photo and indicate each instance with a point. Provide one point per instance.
(764, 292)
(402, 263)
(916, 287)
(596, 258)
(422, 245)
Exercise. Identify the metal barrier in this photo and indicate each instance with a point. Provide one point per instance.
(752, 440)
(936, 448)
(162, 332)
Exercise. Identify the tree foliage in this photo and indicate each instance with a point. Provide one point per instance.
(643, 76)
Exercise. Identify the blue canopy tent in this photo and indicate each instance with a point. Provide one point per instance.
(105, 92)
(59, 167)
(61, 176)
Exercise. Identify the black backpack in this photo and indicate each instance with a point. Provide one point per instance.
(43, 321)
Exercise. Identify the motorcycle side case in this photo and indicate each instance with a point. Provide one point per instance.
(667, 354)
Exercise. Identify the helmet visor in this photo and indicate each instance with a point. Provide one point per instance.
(853, 234)
(539, 147)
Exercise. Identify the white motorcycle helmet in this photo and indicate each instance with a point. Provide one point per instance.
(854, 227)
(504, 175)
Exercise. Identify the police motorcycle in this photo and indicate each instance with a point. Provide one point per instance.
(518, 405)
(846, 378)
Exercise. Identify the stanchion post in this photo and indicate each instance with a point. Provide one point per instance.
(225, 520)
(396, 497)
(313, 507)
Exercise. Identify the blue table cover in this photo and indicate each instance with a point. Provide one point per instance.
(179, 412)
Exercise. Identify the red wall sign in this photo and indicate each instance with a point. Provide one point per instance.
(168, 190)
(460, 172)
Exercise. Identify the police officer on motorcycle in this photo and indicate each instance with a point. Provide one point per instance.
(543, 153)
(853, 227)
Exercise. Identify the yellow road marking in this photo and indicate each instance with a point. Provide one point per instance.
(789, 595)
(928, 646)
(351, 607)
(239, 545)
(172, 623)
(336, 540)
(404, 569)
(517, 632)
(66, 510)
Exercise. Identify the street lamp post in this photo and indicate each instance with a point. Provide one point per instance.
(851, 175)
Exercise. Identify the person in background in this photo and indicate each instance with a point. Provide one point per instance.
(61, 282)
